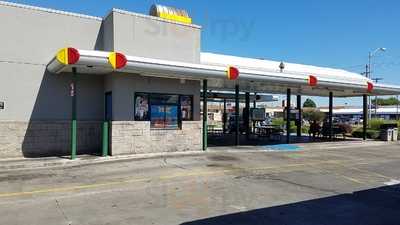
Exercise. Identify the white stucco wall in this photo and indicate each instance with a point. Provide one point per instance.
(29, 39)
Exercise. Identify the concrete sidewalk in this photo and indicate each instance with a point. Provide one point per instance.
(65, 161)
(50, 162)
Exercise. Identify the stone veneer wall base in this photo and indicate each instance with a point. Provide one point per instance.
(47, 138)
(135, 137)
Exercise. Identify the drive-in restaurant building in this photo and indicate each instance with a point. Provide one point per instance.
(73, 84)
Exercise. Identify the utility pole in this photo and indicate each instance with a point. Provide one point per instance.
(366, 73)
(377, 79)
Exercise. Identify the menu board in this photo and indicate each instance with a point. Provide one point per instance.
(186, 107)
(164, 116)
(258, 114)
(142, 107)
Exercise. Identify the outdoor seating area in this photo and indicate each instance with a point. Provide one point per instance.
(272, 132)
(338, 130)
(314, 127)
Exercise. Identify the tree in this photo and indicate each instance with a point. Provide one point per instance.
(386, 101)
(313, 115)
(309, 104)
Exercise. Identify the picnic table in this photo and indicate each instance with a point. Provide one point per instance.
(214, 130)
(268, 131)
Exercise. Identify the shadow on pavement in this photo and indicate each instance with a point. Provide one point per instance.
(229, 140)
(379, 206)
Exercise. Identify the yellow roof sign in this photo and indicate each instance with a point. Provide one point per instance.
(170, 13)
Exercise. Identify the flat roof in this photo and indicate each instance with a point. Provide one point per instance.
(84, 16)
(48, 10)
(359, 111)
(273, 66)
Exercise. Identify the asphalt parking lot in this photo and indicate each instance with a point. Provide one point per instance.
(321, 183)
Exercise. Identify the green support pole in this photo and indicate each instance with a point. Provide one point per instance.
(247, 118)
(224, 118)
(254, 106)
(288, 115)
(330, 116)
(299, 119)
(73, 122)
(237, 116)
(255, 100)
(365, 116)
(105, 139)
(205, 115)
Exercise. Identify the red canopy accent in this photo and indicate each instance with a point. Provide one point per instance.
(73, 55)
(312, 81)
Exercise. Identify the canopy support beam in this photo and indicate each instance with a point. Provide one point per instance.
(247, 115)
(330, 116)
(365, 116)
(73, 116)
(289, 93)
(205, 115)
(224, 118)
(299, 119)
(255, 100)
(237, 116)
(254, 107)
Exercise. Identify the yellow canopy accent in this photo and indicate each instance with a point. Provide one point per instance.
(112, 58)
(62, 56)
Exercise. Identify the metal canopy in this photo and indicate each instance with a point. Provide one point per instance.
(251, 79)
(220, 96)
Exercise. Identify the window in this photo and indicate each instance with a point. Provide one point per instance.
(164, 111)
(186, 107)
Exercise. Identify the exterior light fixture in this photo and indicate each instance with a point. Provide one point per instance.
(282, 66)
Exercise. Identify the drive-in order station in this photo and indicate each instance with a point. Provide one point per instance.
(130, 83)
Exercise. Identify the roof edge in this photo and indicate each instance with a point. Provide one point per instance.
(84, 16)
(49, 10)
(152, 17)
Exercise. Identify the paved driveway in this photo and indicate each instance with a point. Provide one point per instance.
(330, 183)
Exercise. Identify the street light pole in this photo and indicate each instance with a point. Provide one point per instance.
(369, 75)
(369, 97)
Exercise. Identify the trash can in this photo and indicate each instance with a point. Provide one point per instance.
(395, 134)
(386, 134)
(389, 132)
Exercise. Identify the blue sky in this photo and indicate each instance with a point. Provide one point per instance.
(336, 33)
